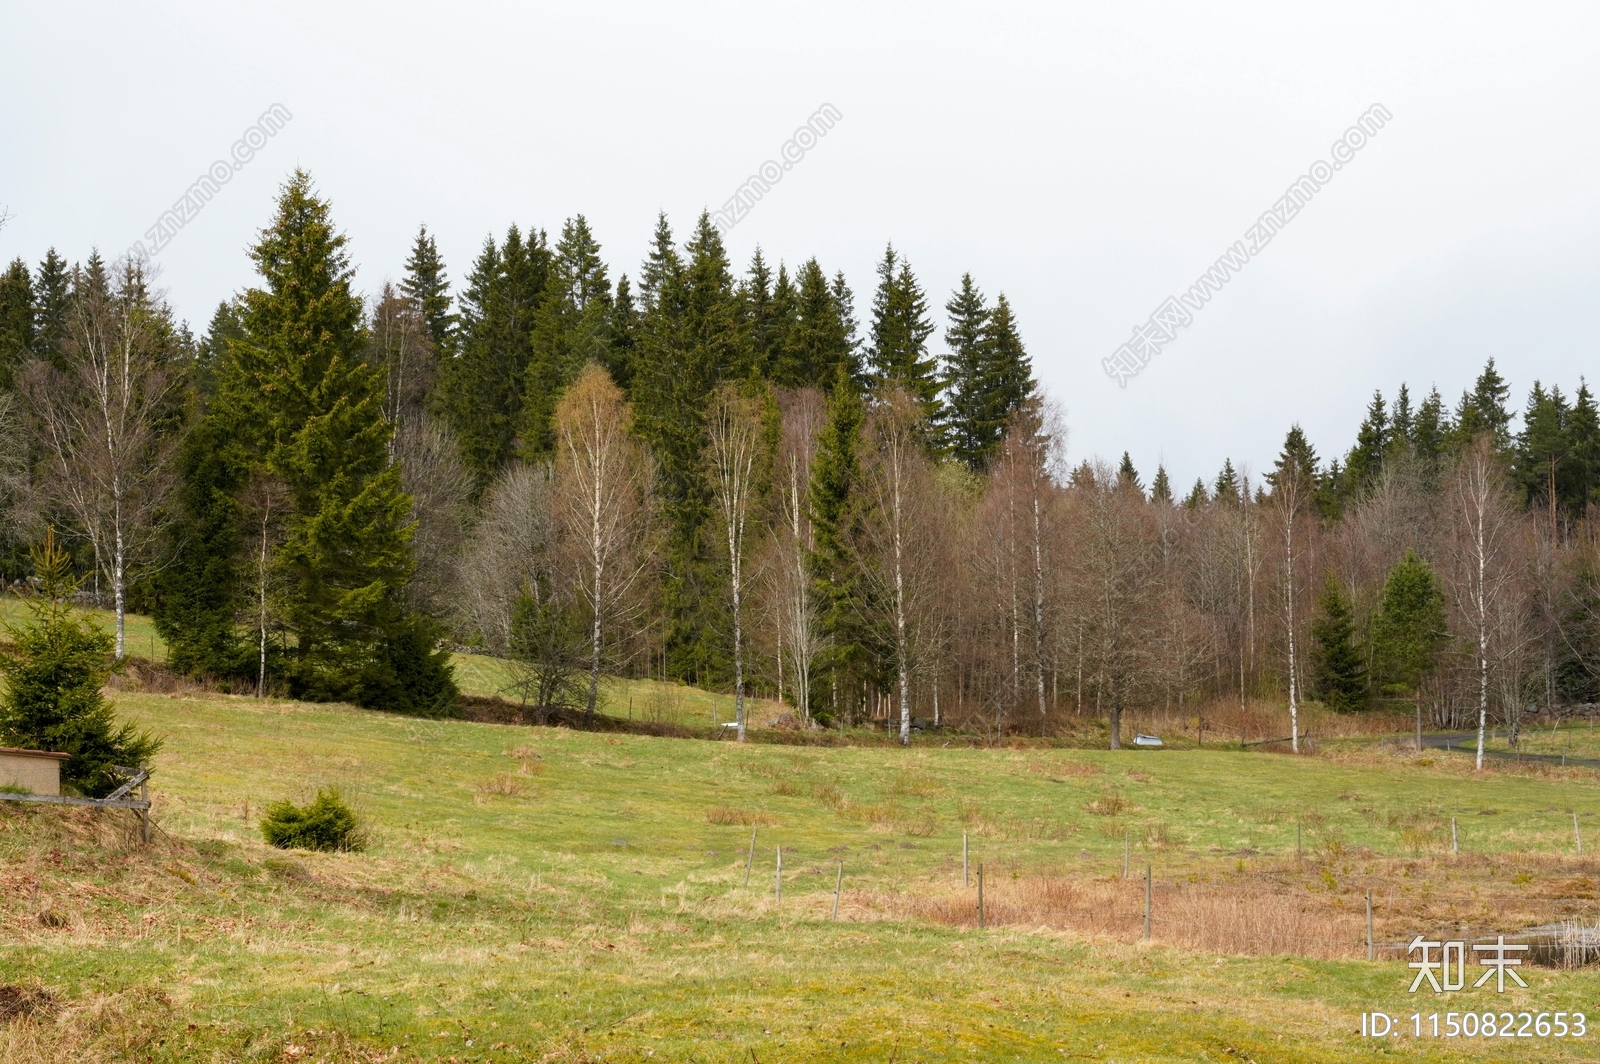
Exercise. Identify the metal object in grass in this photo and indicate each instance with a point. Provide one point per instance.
(1152, 741)
(117, 799)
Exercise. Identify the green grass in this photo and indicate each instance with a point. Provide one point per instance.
(590, 909)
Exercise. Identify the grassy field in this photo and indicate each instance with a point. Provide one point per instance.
(550, 894)
(547, 894)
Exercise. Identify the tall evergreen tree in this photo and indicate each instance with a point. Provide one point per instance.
(1197, 495)
(624, 334)
(306, 398)
(820, 337)
(1431, 431)
(1484, 409)
(1127, 475)
(898, 350)
(1583, 426)
(52, 302)
(836, 514)
(426, 285)
(1338, 676)
(1227, 489)
(763, 316)
(480, 393)
(571, 328)
(971, 435)
(1542, 461)
(16, 322)
(1161, 486)
(1364, 463)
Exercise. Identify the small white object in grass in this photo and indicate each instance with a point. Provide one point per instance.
(1147, 740)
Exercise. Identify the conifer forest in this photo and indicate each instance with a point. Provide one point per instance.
(850, 496)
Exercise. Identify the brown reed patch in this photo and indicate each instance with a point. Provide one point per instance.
(1234, 918)
(1109, 804)
(502, 783)
(722, 814)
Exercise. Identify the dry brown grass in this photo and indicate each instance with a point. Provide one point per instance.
(503, 784)
(722, 814)
(1235, 918)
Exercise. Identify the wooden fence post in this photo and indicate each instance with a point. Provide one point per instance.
(748, 861)
(1455, 841)
(980, 894)
(965, 880)
(1297, 851)
(838, 884)
(1369, 925)
(1576, 834)
(777, 882)
(1147, 887)
(1126, 846)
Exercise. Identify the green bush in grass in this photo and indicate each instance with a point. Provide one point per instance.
(326, 824)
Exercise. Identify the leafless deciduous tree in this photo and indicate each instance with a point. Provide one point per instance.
(1482, 570)
(266, 505)
(101, 422)
(733, 449)
(902, 488)
(431, 472)
(603, 507)
(1117, 550)
(509, 553)
(788, 581)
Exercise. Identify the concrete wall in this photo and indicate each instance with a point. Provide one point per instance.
(34, 772)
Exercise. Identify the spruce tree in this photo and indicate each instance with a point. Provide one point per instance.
(1197, 495)
(1010, 371)
(619, 349)
(1484, 410)
(763, 317)
(571, 328)
(55, 672)
(1365, 460)
(16, 322)
(1227, 489)
(1584, 430)
(304, 395)
(834, 499)
(898, 350)
(1338, 676)
(52, 303)
(1127, 475)
(820, 338)
(1161, 486)
(1542, 460)
(480, 393)
(970, 435)
(426, 286)
(1409, 629)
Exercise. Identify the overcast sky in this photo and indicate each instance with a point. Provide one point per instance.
(1087, 160)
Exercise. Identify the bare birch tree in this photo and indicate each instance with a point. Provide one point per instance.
(602, 499)
(734, 445)
(101, 422)
(799, 622)
(1482, 519)
(899, 477)
(266, 504)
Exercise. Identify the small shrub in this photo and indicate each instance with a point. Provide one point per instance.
(326, 824)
